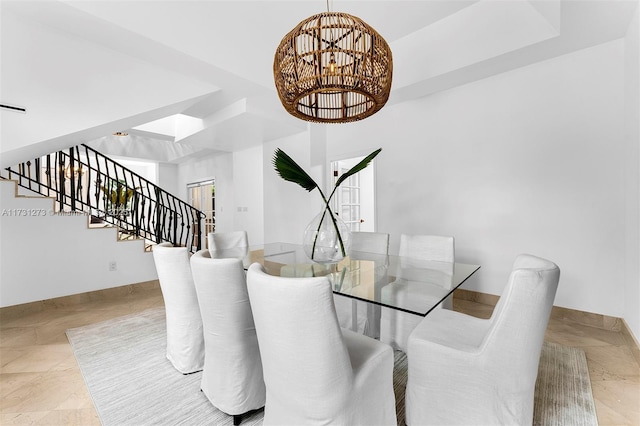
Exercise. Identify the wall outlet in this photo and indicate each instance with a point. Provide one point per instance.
(113, 266)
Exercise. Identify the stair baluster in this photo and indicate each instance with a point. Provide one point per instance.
(84, 180)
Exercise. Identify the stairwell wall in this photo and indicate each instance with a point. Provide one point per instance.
(45, 255)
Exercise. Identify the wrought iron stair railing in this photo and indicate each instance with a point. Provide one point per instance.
(82, 179)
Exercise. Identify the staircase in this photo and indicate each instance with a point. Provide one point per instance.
(83, 181)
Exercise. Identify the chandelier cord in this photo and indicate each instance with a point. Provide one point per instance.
(331, 34)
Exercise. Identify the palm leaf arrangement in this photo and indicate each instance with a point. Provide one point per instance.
(290, 171)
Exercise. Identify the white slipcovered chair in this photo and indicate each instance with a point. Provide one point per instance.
(185, 342)
(363, 246)
(228, 244)
(315, 372)
(396, 326)
(232, 375)
(465, 370)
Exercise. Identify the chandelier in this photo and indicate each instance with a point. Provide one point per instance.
(333, 68)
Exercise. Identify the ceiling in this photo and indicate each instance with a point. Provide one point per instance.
(436, 45)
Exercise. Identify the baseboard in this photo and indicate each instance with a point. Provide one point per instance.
(77, 299)
(631, 340)
(476, 296)
(587, 318)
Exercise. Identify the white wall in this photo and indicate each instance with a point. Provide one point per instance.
(632, 175)
(146, 169)
(248, 194)
(527, 161)
(43, 256)
(288, 208)
(167, 179)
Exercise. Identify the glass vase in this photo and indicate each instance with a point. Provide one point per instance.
(320, 240)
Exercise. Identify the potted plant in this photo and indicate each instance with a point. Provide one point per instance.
(117, 198)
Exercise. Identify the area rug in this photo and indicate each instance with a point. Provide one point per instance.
(132, 383)
(563, 389)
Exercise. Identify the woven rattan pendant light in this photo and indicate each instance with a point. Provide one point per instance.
(333, 68)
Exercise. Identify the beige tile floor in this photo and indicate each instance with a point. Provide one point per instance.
(40, 382)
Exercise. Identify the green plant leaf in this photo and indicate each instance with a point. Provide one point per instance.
(290, 170)
(355, 169)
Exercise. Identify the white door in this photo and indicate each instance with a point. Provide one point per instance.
(354, 200)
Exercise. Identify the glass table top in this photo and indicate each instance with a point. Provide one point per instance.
(406, 284)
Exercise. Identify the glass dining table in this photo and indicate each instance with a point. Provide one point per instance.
(395, 282)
